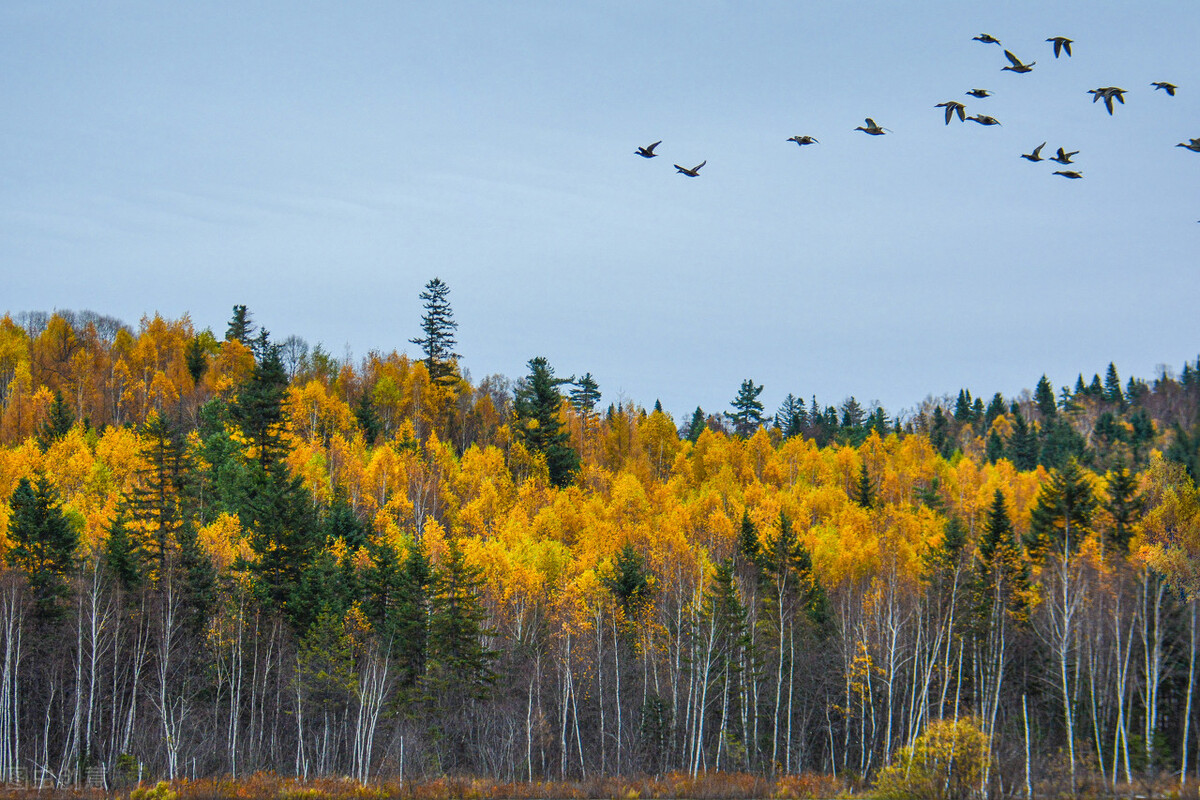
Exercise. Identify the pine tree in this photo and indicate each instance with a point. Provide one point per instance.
(240, 328)
(537, 405)
(438, 327)
(123, 557)
(368, 419)
(42, 545)
(585, 395)
(747, 409)
(939, 433)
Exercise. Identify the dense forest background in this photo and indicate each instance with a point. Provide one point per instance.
(229, 554)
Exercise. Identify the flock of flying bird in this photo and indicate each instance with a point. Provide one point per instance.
(1061, 45)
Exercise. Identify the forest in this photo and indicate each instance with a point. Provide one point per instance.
(225, 555)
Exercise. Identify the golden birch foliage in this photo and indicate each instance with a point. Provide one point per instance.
(232, 366)
(1168, 535)
(317, 415)
(659, 441)
(225, 541)
(946, 762)
(484, 491)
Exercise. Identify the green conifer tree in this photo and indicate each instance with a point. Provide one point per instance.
(438, 327)
(537, 405)
(42, 545)
(747, 409)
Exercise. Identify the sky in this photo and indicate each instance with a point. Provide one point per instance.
(320, 162)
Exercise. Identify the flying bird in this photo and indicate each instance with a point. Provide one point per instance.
(1016, 65)
(953, 107)
(1063, 157)
(1068, 173)
(1194, 146)
(981, 93)
(648, 152)
(1169, 88)
(802, 140)
(1036, 155)
(694, 172)
(986, 38)
(1061, 43)
(983, 119)
(871, 128)
(1108, 93)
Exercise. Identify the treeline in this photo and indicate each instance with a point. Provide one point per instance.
(230, 555)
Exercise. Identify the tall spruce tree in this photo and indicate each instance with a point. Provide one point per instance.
(537, 404)
(42, 545)
(438, 328)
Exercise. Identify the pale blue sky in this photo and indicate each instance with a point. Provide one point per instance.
(321, 161)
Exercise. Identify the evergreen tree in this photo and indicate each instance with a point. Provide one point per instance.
(747, 409)
(696, 426)
(630, 581)
(585, 395)
(42, 545)
(1124, 506)
(273, 504)
(1059, 442)
(864, 492)
(1063, 513)
(438, 327)
(197, 581)
(458, 672)
(791, 419)
(368, 419)
(962, 407)
(158, 502)
(537, 405)
(342, 523)
(995, 447)
(749, 548)
(240, 328)
(1022, 447)
(196, 358)
(58, 424)
(995, 410)
(123, 557)
(1043, 398)
(939, 433)
(1002, 575)
(460, 664)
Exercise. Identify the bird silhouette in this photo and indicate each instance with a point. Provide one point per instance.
(1061, 43)
(983, 119)
(1194, 145)
(694, 172)
(1068, 173)
(1016, 65)
(648, 152)
(1063, 157)
(871, 128)
(1108, 93)
(803, 140)
(986, 38)
(953, 107)
(1036, 155)
(1169, 88)
(981, 93)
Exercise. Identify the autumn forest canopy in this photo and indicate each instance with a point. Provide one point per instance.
(221, 554)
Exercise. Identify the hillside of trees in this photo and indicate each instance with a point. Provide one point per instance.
(223, 554)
